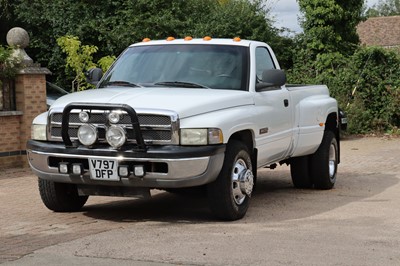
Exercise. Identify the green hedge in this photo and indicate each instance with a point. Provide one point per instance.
(365, 84)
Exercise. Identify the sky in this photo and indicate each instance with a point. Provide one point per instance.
(286, 13)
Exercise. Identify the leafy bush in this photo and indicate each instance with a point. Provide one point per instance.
(79, 59)
(365, 84)
(9, 64)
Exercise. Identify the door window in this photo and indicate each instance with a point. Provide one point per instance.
(263, 61)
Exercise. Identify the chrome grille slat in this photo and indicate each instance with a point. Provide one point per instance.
(101, 118)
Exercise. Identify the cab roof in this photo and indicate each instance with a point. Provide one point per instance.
(189, 40)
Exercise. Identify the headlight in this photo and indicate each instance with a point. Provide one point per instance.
(116, 136)
(38, 132)
(87, 134)
(201, 136)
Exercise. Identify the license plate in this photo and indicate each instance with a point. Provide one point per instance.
(106, 170)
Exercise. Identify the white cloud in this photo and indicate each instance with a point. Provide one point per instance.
(285, 13)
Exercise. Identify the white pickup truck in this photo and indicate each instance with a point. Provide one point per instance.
(185, 113)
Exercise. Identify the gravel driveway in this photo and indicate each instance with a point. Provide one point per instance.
(356, 223)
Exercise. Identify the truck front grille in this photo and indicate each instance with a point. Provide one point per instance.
(155, 128)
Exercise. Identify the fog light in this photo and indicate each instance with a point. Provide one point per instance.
(139, 170)
(63, 168)
(123, 170)
(84, 117)
(77, 168)
(114, 117)
(116, 136)
(87, 134)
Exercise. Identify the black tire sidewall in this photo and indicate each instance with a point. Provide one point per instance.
(300, 173)
(220, 194)
(319, 163)
(60, 197)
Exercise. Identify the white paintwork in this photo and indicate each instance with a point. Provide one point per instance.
(292, 131)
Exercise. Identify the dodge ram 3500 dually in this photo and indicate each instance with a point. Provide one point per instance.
(185, 113)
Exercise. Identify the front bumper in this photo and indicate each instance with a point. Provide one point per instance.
(181, 166)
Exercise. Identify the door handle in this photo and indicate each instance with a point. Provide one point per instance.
(286, 102)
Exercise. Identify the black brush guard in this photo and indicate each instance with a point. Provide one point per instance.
(141, 146)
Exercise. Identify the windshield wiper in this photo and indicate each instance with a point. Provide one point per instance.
(182, 84)
(120, 83)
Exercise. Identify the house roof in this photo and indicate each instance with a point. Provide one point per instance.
(380, 31)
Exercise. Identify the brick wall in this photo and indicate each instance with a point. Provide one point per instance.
(30, 95)
(10, 141)
(15, 126)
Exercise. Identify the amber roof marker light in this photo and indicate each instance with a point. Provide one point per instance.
(170, 39)
(237, 39)
(188, 38)
(207, 38)
(146, 40)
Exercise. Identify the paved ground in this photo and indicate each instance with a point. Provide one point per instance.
(357, 223)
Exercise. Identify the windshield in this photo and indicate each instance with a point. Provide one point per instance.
(181, 65)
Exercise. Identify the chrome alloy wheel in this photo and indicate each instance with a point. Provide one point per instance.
(242, 181)
(332, 161)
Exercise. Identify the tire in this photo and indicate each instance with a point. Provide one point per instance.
(229, 195)
(60, 197)
(324, 162)
(299, 170)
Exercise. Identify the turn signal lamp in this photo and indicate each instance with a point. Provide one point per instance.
(207, 38)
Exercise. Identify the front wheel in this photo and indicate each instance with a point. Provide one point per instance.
(229, 195)
(61, 197)
(324, 162)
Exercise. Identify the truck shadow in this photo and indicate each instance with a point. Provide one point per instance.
(275, 199)
(163, 206)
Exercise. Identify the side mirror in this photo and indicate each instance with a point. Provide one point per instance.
(271, 78)
(94, 75)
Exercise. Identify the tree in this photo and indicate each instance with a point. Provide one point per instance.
(329, 36)
(330, 25)
(384, 8)
(79, 58)
(113, 25)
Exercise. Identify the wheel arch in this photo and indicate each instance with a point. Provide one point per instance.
(247, 137)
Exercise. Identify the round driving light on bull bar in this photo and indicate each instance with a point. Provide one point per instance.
(114, 117)
(84, 117)
(116, 136)
(87, 134)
